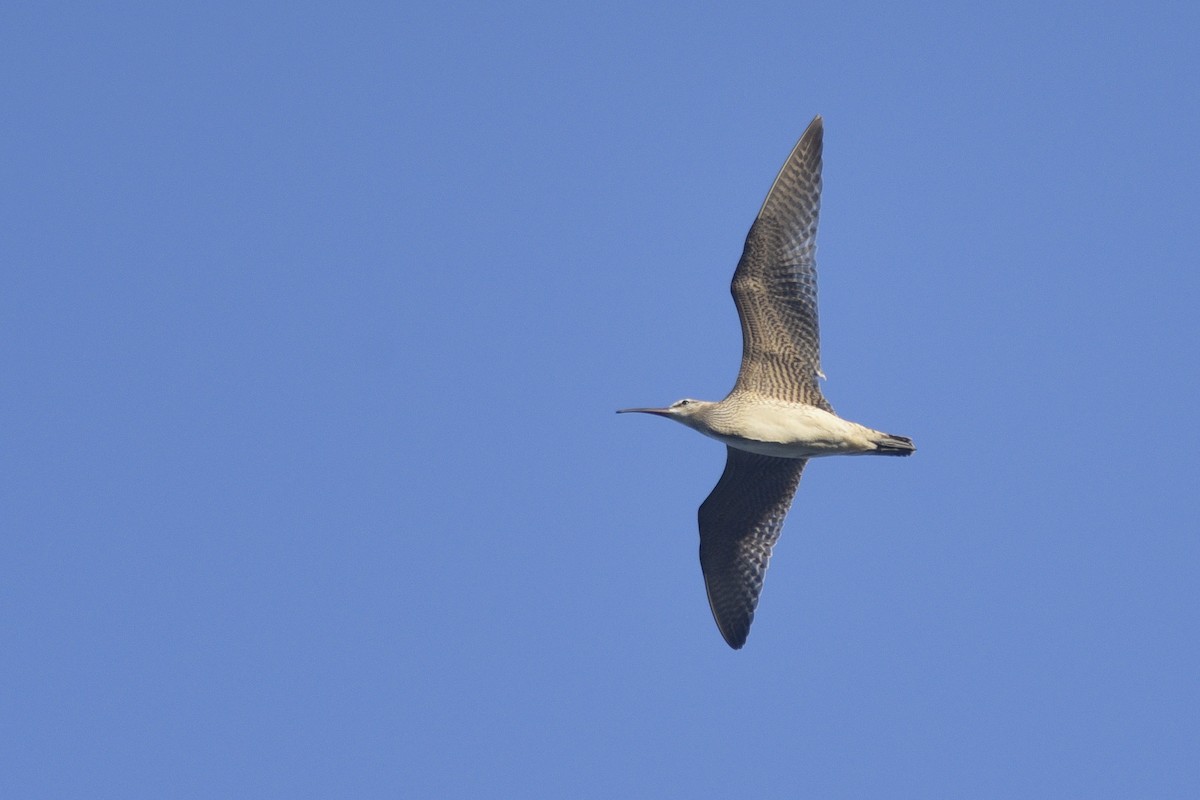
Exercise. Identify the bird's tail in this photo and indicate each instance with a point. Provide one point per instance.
(890, 445)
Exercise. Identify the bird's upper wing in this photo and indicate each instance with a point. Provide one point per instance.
(739, 524)
(775, 285)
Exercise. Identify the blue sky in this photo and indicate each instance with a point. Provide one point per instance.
(313, 324)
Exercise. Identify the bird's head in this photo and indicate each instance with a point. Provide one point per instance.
(688, 411)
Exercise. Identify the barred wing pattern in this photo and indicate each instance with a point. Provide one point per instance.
(739, 524)
(775, 285)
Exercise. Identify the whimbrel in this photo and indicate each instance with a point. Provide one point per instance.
(775, 417)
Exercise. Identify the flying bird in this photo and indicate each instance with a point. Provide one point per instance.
(775, 417)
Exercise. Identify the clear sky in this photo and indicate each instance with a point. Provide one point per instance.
(314, 318)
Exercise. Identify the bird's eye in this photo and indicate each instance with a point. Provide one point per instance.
(683, 402)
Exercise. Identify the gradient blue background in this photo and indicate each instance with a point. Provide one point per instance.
(313, 321)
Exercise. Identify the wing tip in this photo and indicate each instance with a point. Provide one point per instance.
(815, 130)
(732, 623)
(734, 634)
(811, 142)
(736, 640)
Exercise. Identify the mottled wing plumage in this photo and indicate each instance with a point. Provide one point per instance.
(775, 285)
(739, 524)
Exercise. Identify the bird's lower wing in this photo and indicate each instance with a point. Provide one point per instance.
(739, 524)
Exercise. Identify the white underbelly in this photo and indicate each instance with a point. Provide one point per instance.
(793, 431)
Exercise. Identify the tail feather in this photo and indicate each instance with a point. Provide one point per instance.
(892, 445)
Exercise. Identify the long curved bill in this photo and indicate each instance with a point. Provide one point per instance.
(662, 412)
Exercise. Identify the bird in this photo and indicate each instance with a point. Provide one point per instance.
(775, 418)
